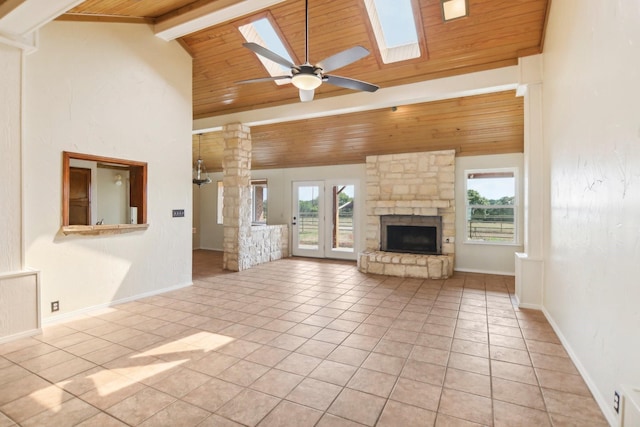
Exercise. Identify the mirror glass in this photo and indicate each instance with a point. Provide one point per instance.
(103, 191)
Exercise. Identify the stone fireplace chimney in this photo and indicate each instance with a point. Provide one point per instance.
(412, 184)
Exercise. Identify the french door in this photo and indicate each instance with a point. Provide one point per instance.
(323, 223)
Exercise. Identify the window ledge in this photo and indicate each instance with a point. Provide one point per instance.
(95, 230)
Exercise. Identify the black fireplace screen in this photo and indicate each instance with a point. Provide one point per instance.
(412, 239)
(411, 234)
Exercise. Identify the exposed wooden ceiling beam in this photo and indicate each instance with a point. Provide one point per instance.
(192, 19)
(497, 80)
(81, 17)
(8, 5)
(29, 15)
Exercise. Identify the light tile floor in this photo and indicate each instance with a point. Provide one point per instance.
(300, 342)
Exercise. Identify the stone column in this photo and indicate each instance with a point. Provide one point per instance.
(236, 165)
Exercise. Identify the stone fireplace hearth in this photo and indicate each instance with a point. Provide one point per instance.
(410, 187)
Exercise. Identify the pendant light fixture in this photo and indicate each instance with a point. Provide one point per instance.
(200, 175)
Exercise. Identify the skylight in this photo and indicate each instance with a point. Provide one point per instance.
(394, 27)
(263, 33)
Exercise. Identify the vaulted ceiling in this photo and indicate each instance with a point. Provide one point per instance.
(494, 34)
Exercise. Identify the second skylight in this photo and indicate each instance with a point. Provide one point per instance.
(394, 27)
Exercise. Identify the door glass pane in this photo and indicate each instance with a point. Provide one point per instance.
(342, 218)
(308, 237)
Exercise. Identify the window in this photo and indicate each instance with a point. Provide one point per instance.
(491, 206)
(262, 32)
(259, 201)
(220, 203)
(394, 27)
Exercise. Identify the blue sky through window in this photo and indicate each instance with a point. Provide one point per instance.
(493, 188)
(271, 39)
(397, 21)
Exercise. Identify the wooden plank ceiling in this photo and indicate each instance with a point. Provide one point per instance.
(475, 125)
(495, 34)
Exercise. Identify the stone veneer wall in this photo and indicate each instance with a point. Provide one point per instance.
(269, 243)
(245, 246)
(410, 184)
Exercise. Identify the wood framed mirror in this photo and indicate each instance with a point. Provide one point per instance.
(102, 194)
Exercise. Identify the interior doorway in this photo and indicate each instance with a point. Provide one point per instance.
(79, 196)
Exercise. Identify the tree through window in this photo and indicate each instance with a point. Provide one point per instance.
(491, 206)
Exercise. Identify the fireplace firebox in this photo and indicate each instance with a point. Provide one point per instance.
(411, 234)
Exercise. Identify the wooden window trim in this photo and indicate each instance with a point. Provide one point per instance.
(138, 176)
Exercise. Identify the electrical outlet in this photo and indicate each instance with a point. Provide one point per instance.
(616, 402)
(55, 306)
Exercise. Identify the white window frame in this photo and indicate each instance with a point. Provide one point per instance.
(220, 207)
(254, 184)
(394, 53)
(220, 202)
(515, 207)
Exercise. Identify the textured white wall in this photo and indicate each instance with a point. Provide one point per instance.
(486, 258)
(19, 311)
(10, 159)
(195, 242)
(592, 131)
(113, 90)
(210, 234)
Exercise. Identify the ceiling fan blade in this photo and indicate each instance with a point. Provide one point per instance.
(343, 58)
(262, 51)
(306, 95)
(350, 83)
(263, 79)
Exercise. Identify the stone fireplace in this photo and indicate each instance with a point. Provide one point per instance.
(410, 215)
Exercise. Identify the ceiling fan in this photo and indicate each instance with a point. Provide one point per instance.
(307, 77)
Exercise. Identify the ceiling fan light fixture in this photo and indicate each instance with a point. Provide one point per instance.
(306, 77)
(306, 81)
(306, 95)
(454, 9)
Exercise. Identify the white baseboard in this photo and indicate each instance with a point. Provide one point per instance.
(603, 403)
(206, 248)
(498, 273)
(87, 310)
(530, 306)
(525, 305)
(23, 334)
